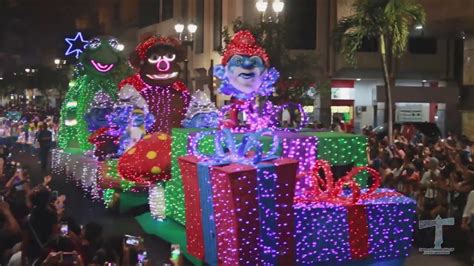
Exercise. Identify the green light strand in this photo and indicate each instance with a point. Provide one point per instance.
(77, 103)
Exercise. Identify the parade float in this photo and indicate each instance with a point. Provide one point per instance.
(229, 185)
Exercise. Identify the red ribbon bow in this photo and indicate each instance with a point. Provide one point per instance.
(326, 190)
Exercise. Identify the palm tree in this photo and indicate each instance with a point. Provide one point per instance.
(390, 23)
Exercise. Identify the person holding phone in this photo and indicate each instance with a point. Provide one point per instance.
(134, 252)
(176, 258)
(61, 250)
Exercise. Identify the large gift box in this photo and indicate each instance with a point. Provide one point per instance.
(240, 212)
(334, 224)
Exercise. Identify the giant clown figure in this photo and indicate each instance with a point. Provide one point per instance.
(245, 73)
(155, 88)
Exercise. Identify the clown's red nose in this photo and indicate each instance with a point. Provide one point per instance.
(163, 65)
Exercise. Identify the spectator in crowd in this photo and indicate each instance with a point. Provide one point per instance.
(10, 231)
(44, 138)
(40, 225)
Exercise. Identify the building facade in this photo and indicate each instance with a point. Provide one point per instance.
(428, 77)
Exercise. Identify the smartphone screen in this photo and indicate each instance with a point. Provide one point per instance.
(68, 258)
(64, 229)
(142, 256)
(54, 194)
(175, 251)
(132, 240)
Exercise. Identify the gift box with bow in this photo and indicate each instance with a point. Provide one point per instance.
(339, 221)
(239, 202)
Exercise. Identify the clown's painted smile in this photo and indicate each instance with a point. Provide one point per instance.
(247, 75)
(162, 76)
(101, 67)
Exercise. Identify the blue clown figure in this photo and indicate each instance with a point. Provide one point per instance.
(202, 113)
(245, 71)
(101, 107)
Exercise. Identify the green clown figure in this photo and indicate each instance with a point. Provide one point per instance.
(91, 93)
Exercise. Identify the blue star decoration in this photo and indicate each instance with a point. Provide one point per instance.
(76, 45)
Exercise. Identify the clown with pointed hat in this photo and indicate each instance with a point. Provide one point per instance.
(245, 71)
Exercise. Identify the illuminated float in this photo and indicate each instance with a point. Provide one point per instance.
(250, 193)
(246, 192)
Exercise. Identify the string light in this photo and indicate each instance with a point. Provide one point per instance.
(148, 161)
(76, 45)
(156, 199)
(332, 225)
(159, 101)
(77, 103)
(339, 149)
(257, 119)
(91, 88)
(240, 234)
(174, 194)
(201, 113)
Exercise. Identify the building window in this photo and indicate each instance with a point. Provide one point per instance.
(149, 12)
(184, 8)
(199, 36)
(217, 31)
(167, 9)
(423, 45)
(300, 21)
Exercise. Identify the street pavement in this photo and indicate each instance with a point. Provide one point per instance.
(84, 210)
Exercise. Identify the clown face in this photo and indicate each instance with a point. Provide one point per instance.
(160, 66)
(245, 73)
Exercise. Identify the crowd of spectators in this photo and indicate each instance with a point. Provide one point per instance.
(34, 229)
(438, 174)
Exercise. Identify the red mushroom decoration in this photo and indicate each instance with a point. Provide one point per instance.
(148, 161)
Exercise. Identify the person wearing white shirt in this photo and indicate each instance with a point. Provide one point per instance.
(468, 213)
(430, 178)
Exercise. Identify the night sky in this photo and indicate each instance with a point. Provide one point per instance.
(35, 29)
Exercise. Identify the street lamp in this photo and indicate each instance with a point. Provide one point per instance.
(191, 27)
(187, 41)
(277, 6)
(59, 63)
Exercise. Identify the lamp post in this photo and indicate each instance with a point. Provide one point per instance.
(59, 65)
(277, 6)
(187, 39)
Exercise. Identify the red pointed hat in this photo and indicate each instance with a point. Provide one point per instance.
(244, 43)
(143, 47)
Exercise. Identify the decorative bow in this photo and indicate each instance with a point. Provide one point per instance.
(261, 119)
(326, 190)
(249, 151)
